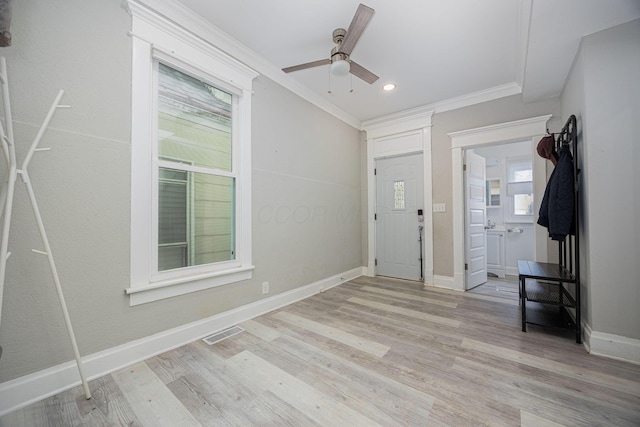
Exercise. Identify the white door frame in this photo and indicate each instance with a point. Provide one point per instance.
(400, 135)
(502, 133)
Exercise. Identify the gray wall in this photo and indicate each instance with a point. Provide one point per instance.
(603, 91)
(573, 103)
(306, 191)
(499, 111)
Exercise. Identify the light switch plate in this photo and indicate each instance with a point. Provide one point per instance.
(439, 207)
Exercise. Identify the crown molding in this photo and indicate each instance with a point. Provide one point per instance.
(476, 97)
(184, 17)
(180, 15)
(442, 106)
(415, 118)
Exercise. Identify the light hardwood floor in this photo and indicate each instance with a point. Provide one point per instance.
(506, 288)
(374, 351)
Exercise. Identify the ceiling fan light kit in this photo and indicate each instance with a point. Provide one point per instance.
(341, 67)
(345, 41)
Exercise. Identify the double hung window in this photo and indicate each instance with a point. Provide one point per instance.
(196, 181)
(191, 163)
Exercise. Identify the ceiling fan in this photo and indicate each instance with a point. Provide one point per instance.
(345, 41)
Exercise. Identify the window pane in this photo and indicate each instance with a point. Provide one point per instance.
(523, 175)
(523, 204)
(519, 170)
(172, 207)
(194, 120)
(520, 188)
(214, 214)
(172, 219)
(398, 194)
(170, 257)
(196, 219)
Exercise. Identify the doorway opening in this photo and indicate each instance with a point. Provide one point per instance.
(507, 202)
(527, 129)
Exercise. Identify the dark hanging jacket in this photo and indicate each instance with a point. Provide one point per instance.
(557, 208)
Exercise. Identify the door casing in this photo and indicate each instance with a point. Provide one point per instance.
(519, 130)
(408, 134)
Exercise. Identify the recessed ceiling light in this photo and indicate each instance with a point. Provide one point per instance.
(388, 87)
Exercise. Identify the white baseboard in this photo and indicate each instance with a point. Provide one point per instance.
(512, 271)
(428, 277)
(611, 346)
(23, 391)
(369, 271)
(445, 282)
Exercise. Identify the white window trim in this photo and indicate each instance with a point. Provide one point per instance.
(156, 37)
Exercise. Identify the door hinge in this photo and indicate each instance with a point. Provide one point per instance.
(466, 266)
(376, 263)
(375, 171)
(375, 216)
(464, 167)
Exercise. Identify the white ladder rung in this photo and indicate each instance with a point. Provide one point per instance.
(39, 252)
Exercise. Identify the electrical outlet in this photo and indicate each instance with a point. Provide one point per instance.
(265, 288)
(439, 207)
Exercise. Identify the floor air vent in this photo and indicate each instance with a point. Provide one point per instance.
(222, 335)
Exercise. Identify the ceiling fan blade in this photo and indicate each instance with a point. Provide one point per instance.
(361, 72)
(356, 28)
(307, 65)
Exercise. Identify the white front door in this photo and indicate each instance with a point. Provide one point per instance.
(475, 233)
(399, 195)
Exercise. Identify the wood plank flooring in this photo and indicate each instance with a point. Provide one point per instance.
(373, 351)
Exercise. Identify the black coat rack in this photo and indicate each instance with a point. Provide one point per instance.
(549, 292)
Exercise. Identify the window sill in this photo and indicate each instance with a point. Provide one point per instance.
(528, 220)
(184, 285)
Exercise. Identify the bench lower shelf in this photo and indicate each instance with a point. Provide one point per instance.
(547, 297)
(548, 293)
(548, 316)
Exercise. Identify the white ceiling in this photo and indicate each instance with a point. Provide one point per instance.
(434, 50)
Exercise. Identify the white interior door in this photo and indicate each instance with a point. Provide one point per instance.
(399, 195)
(475, 233)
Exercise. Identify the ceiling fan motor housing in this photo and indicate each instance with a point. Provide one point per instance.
(336, 55)
(338, 35)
